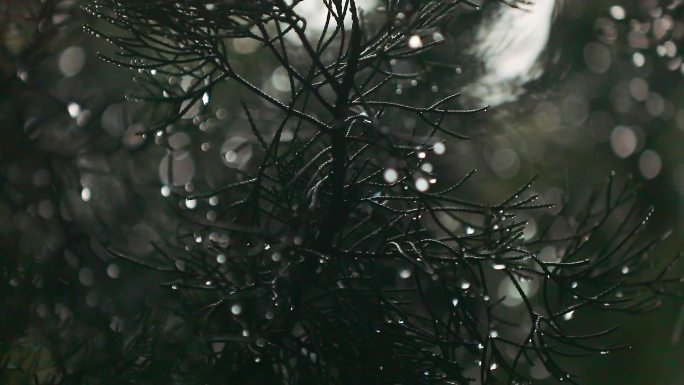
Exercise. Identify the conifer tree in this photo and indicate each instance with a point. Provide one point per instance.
(318, 244)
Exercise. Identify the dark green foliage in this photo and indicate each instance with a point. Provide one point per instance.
(326, 252)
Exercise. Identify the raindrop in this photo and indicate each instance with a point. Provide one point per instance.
(624, 141)
(236, 309)
(655, 104)
(280, 79)
(72, 61)
(86, 194)
(391, 175)
(638, 59)
(415, 42)
(617, 12)
(231, 156)
(639, 89)
(597, 57)
(650, 164)
(439, 148)
(569, 315)
(178, 167)
(405, 273)
(74, 109)
(221, 113)
(237, 152)
(113, 271)
(422, 184)
(180, 265)
(23, 75)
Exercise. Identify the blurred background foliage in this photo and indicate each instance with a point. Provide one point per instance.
(73, 168)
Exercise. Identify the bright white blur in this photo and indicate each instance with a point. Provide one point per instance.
(315, 12)
(509, 42)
